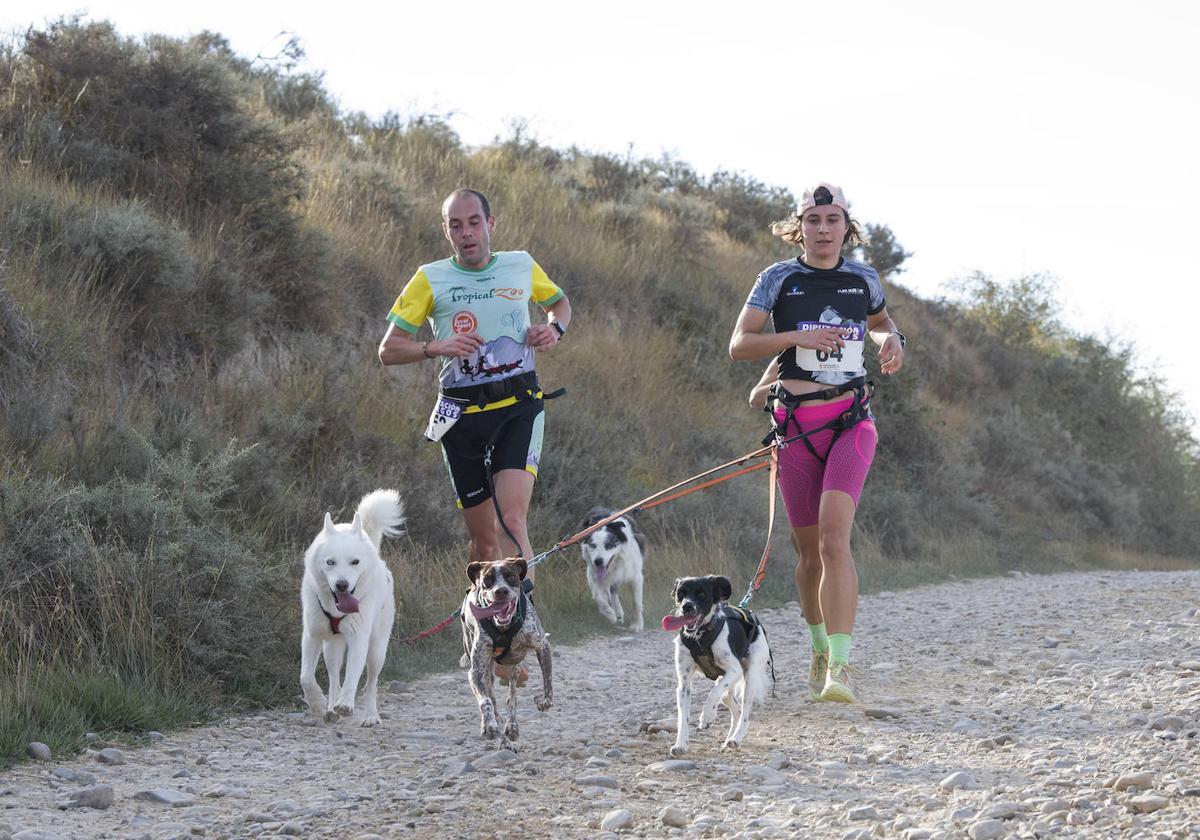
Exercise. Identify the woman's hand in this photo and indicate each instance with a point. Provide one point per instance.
(891, 355)
(826, 338)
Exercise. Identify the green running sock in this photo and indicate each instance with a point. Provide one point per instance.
(820, 641)
(839, 647)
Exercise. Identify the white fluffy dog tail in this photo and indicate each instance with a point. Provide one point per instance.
(382, 515)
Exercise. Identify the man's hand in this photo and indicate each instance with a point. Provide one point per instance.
(826, 338)
(541, 336)
(891, 355)
(460, 346)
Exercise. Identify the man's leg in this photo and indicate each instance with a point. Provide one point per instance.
(483, 532)
(514, 489)
(839, 589)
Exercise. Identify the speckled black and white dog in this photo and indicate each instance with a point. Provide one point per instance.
(613, 555)
(726, 644)
(500, 625)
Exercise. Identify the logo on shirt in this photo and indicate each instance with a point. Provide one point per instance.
(795, 291)
(850, 291)
(510, 294)
(464, 322)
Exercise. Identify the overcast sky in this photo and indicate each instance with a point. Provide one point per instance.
(1009, 138)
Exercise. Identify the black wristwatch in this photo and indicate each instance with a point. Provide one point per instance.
(903, 340)
(559, 327)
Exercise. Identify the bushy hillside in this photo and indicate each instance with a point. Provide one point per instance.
(197, 256)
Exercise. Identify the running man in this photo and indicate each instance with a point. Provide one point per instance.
(477, 303)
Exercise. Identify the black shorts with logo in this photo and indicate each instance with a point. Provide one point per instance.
(515, 432)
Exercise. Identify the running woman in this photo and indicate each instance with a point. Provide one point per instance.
(822, 307)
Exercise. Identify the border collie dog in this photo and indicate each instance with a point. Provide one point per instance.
(613, 555)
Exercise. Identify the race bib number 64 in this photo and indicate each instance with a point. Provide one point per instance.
(846, 359)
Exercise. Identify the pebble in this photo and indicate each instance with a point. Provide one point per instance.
(38, 751)
(956, 780)
(1142, 779)
(111, 756)
(673, 765)
(166, 796)
(674, 817)
(492, 760)
(617, 819)
(1148, 802)
(97, 797)
(598, 781)
(986, 830)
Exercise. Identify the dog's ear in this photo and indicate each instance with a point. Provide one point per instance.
(328, 527)
(522, 566)
(675, 590)
(722, 588)
(617, 525)
(475, 569)
(356, 525)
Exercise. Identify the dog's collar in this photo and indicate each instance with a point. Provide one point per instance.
(334, 621)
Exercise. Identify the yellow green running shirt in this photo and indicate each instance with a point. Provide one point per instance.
(492, 301)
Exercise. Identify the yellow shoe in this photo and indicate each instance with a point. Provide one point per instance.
(837, 683)
(816, 673)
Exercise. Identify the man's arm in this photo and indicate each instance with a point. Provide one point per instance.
(544, 336)
(399, 347)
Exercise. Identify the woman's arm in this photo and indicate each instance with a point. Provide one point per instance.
(883, 332)
(750, 342)
(758, 394)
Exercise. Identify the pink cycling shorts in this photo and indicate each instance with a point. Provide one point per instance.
(803, 477)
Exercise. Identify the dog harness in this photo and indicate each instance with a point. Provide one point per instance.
(744, 628)
(502, 639)
(859, 410)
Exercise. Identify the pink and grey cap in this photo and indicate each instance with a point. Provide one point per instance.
(821, 195)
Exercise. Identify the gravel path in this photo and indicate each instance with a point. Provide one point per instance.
(1047, 706)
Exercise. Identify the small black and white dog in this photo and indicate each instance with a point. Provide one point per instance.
(725, 643)
(613, 555)
(500, 625)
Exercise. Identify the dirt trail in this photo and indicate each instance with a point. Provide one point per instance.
(1060, 706)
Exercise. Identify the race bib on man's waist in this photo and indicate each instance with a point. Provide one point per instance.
(445, 414)
(848, 359)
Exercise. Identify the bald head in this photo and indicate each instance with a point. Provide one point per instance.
(464, 193)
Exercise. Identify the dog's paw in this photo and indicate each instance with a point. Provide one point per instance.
(512, 731)
(679, 749)
(370, 720)
(730, 744)
(489, 730)
(704, 722)
(543, 702)
(344, 709)
(330, 716)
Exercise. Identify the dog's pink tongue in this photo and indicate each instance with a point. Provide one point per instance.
(494, 609)
(346, 602)
(673, 622)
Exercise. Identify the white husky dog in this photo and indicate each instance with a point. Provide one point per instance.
(613, 555)
(349, 605)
